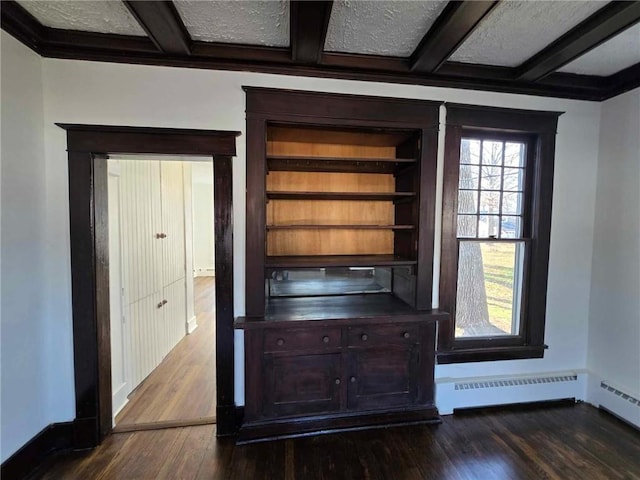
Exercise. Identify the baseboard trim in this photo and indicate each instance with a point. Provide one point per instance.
(204, 273)
(192, 324)
(300, 427)
(53, 438)
(227, 420)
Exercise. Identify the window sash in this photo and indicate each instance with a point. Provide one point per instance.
(520, 287)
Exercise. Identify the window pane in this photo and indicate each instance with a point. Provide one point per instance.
(514, 155)
(491, 178)
(467, 225)
(467, 201)
(512, 203)
(490, 202)
(513, 179)
(469, 176)
(489, 226)
(511, 227)
(489, 289)
(492, 153)
(470, 151)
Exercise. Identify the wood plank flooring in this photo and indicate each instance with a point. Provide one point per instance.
(563, 443)
(182, 388)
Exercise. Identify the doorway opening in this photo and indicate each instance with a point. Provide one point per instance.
(162, 291)
(89, 147)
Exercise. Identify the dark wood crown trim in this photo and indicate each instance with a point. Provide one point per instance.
(451, 28)
(599, 27)
(67, 44)
(308, 29)
(163, 24)
(16, 21)
(623, 81)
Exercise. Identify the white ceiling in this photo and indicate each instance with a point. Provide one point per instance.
(247, 22)
(516, 30)
(380, 27)
(614, 55)
(89, 16)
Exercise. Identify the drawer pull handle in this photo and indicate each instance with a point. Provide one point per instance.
(280, 341)
(337, 381)
(325, 339)
(406, 335)
(353, 379)
(364, 337)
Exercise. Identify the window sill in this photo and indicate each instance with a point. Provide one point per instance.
(467, 355)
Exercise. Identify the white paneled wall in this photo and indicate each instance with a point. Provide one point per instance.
(152, 246)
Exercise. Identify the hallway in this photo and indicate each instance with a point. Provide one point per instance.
(182, 388)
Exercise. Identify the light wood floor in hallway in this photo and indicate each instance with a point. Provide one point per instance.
(182, 387)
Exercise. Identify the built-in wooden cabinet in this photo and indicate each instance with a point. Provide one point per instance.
(339, 330)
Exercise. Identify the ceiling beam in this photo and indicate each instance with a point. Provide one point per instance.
(599, 27)
(451, 28)
(163, 24)
(308, 29)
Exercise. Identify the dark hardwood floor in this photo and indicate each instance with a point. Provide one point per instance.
(566, 442)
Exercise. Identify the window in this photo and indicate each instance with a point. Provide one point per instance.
(496, 226)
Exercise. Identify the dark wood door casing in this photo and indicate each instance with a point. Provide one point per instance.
(88, 146)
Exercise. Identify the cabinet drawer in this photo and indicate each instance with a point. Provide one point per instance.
(380, 335)
(296, 339)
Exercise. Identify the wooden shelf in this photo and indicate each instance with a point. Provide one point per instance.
(340, 227)
(336, 307)
(319, 261)
(365, 196)
(336, 164)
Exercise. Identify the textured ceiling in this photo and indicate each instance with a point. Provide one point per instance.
(516, 30)
(107, 16)
(614, 55)
(247, 22)
(380, 27)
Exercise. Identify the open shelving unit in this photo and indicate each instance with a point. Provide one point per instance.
(339, 331)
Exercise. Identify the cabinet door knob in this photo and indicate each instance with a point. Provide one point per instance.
(353, 379)
(337, 381)
(158, 235)
(164, 302)
(325, 339)
(364, 337)
(160, 304)
(280, 341)
(405, 334)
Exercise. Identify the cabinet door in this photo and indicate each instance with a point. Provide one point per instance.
(174, 258)
(301, 385)
(141, 223)
(383, 377)
(174, 319)
(145, 317)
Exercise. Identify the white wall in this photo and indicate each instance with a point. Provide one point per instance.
(614, 324)
(203, 241)
(101, 93)
(26, 347)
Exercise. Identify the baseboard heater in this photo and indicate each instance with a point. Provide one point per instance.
(620, 404)
(465, 394)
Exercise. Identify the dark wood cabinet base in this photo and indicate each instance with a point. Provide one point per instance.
(300, 427)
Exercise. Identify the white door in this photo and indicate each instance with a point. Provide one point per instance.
(119, 354)
(141, 228)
